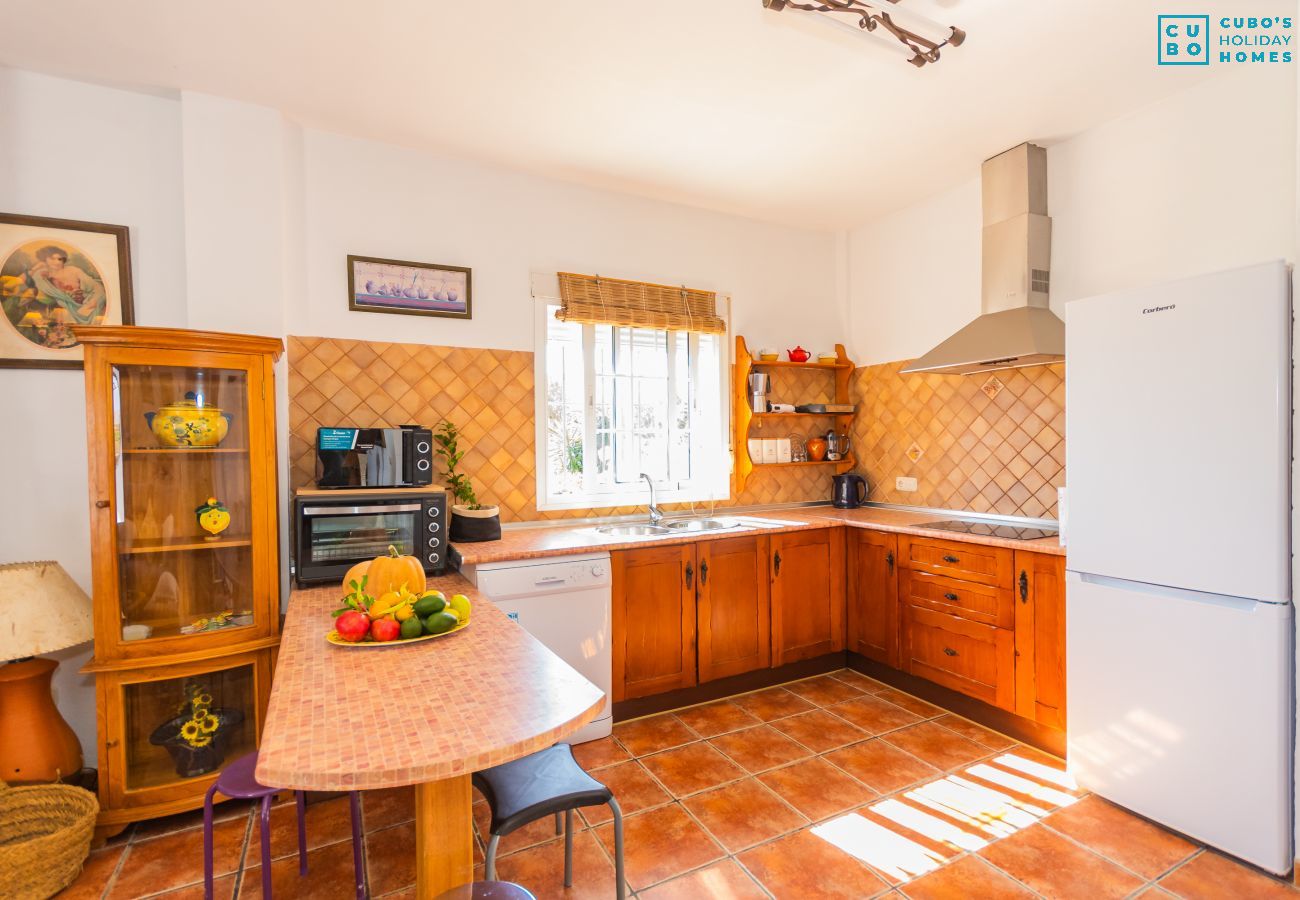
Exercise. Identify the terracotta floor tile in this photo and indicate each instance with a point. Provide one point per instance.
(390, 859)
(221, 812)
(977, 733)
(938, 746)
(660, 844)
(817, 789)
(175, 860)
(716, 718)
(1212, 876)
(541, 869)
(539, 831)
(743, 814)
(602, 752)
(859, 681)
(691, 769)
(1025, 772)
(1057, 867)
(1154, 892)
(760, 749)
(912, 704)
(721, 881)
(880, 766)
(642, 737)
(222, 889)
(387, 807)
(802, 866)
(824, 690)
(95, 872)
(330, 875)
(1133, 842)
(773, 703)
(327, 823)
(874, 715)
(820, 731)
(965, 879)
(633, 788)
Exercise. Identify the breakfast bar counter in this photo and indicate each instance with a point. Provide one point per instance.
(428, 714)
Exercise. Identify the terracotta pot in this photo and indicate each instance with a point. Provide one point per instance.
(816, 448)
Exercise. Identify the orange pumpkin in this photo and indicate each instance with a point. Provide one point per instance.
(389, 573)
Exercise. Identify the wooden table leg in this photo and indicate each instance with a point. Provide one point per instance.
(444, 838)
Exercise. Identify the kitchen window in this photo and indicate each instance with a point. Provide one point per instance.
(614, 401)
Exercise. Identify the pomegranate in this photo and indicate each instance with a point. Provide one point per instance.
(385, 629)
(352, 626)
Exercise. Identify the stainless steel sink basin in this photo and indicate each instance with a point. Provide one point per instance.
(700, 525)
(633, 530)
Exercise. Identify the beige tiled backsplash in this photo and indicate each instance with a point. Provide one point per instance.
(990, 443)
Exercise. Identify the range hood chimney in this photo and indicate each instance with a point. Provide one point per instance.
(1017, 328)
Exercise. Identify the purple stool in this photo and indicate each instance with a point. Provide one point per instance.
(237, 782)
(487, 890)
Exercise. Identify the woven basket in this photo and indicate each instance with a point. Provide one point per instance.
(45, 833)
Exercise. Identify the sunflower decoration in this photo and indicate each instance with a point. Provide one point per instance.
(202, 725)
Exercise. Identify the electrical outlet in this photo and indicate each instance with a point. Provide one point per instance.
(903, 483)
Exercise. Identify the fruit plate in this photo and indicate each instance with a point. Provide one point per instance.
(333, 638)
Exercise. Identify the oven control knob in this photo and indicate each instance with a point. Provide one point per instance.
(433, 510)
(422, 447)
(433, 542)
(422, 465)
(433, 527)
(597, 571)
(433, 558)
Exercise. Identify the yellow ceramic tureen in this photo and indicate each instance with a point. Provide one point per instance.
(187, 424)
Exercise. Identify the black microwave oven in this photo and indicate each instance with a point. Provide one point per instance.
(335, 530)
(374, 457)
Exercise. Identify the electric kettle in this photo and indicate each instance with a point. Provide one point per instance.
(848, 491)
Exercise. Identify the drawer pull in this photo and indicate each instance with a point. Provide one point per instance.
(950, 651)
(101, 504)
(1024, 586)
(704, 574)
(950, 596)
(690, 573)
(951, 559)
(889, 558)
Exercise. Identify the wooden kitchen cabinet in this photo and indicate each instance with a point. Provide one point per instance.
(873, 625)
(734, 606)
(1040, 637)
(807, 594)
(654, 615)
(976, 659)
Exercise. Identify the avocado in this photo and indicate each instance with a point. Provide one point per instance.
(430, 603)
(440, 622)
(412, 628)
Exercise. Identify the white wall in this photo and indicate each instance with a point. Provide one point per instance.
(1203, 180)
(373, 199)
(120, 164)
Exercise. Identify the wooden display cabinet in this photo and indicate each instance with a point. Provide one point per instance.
(160, 579)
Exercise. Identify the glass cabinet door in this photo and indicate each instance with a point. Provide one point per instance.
(185, 518)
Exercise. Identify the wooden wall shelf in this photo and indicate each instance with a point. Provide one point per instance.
(746, 363)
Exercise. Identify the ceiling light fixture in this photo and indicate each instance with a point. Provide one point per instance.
(914, 35)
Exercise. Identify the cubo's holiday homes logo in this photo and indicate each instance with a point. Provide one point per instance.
(1198, 40)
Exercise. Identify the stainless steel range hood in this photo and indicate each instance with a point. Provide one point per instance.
(1017, 328)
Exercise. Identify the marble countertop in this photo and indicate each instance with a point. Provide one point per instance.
(343, 718)
(550, 540)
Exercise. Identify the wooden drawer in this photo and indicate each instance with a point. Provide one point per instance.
(976, 659)
(967, 599)
(970, 562)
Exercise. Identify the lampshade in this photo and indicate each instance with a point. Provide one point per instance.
(41, 609)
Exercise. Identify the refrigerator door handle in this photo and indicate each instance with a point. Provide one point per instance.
(1224, 600)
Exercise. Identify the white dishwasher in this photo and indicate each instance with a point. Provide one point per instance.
(564, 602)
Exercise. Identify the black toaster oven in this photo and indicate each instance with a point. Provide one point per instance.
(336, 529)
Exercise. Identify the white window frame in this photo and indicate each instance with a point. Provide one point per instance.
(709, 486)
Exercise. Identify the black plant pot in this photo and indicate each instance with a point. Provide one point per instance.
(467, 529)
(191, 761)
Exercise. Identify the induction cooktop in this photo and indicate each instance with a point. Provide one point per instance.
(991, 529)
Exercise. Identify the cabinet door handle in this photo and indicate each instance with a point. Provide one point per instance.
(1024, 586)
(690, 575)
(950, 596)
(704, 574)
(889, 560)
(776, 563)
(950, 651)
(951, 559)
(101, 504)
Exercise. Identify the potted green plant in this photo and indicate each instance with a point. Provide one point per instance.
(470, 520)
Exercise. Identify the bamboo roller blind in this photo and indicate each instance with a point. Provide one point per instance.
(637, 304)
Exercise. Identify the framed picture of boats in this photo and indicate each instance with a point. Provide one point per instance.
(56, 274)
(410, 288)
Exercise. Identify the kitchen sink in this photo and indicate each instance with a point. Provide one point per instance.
(633, 530)
(700, 525)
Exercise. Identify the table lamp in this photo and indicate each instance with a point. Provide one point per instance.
(41, 610)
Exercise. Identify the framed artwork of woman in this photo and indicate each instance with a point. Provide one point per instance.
(55, 274)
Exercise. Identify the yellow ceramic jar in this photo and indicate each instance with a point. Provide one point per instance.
(186, 424)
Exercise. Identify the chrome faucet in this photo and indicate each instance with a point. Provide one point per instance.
(656, 514)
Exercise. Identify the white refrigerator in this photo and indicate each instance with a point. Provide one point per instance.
(1180, 633)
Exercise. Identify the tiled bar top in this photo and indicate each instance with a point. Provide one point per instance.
(543, 541)
(343, 718)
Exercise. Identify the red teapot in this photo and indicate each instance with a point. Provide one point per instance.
(798, 354)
